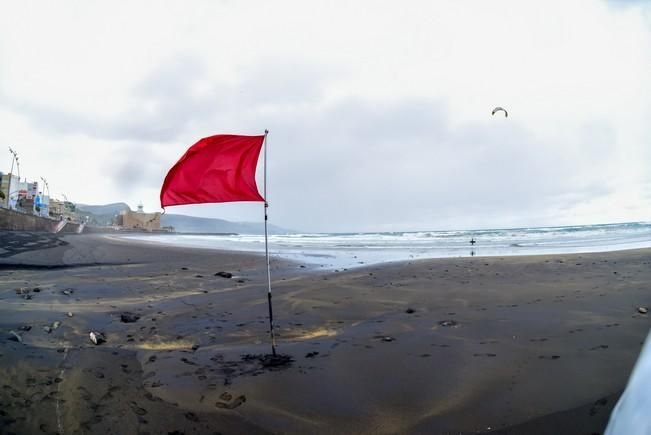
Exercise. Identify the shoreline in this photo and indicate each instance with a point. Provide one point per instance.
(338, 254)
(527, 344)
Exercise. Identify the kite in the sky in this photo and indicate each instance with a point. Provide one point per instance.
(497, 109)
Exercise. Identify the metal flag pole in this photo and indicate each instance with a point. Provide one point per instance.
(266, 249)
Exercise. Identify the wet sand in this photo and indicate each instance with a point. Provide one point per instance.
(532, 345)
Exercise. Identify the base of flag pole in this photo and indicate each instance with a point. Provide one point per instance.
(271, 326)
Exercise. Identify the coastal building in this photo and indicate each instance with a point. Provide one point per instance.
(62, 210)
(139, 220)
(8, 181)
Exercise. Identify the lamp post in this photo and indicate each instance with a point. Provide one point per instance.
(47, 186)
(14, 158)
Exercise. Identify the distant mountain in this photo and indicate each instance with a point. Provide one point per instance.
(104, 214)
(108, 209)
(191, 224)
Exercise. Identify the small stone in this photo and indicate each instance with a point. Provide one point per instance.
(642, 310)
(410, 311)
(224, 274)
(67, 292)
(195, 347)
(69, 314)
(97, 337)
(36, 290)
(129, 317)
(387, 338)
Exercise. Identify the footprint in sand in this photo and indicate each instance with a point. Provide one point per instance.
(549, 356)
(109, 393)
(601, 346)
(85, 394)
(136, 409)
(191, 416)
(535, 340)
(232, 404)
(598, 404)
(489, 355)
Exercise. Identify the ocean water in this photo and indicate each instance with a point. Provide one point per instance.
(347, 250)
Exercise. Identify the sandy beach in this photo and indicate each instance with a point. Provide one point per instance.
(512, 345)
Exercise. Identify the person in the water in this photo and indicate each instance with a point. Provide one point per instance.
(472, 241)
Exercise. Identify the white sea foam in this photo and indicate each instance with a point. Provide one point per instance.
(339, 250)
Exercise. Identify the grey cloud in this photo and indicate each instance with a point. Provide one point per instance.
(133, 167)
(165, 104)
(360, 164)
(628, 3)
(356, 164)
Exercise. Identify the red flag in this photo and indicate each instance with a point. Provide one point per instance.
(218, 168)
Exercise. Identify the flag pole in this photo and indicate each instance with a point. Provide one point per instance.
(266, 249)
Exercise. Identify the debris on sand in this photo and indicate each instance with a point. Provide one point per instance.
(22, 291)
(269, 361)
(69, 314)
(55, 324)
(388, 339)
(311, 354)
(224, 274)
(47, 329)
(25, 327)
(251, 365)
(448, 323)
(97, 337)
(36, 289)
(14, 336)
(67, 292)
(127, 317)
(642, 310)
(231, 405)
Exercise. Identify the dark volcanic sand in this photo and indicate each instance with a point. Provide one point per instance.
(531, 345)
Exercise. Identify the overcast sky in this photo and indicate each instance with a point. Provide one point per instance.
(379, 111)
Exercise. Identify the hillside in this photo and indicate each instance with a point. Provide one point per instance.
(108, 209)
(191, 224)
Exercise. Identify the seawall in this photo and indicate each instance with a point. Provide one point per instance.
(11, 220)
